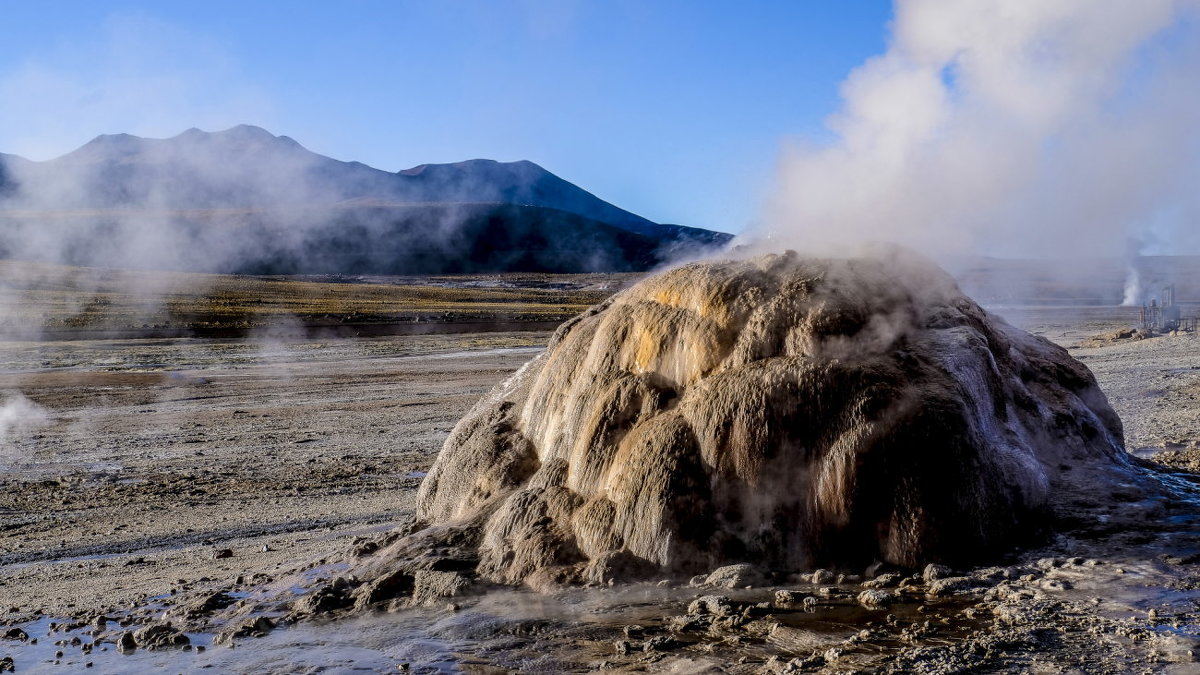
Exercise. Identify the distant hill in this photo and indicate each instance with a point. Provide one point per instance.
(246, 200)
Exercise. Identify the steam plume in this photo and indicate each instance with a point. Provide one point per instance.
(1043, 129)
(18, 417)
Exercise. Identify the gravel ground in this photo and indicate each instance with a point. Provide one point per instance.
(136, 462)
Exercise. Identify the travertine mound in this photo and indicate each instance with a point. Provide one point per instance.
(784, 411)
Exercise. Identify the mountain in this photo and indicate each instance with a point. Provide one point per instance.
(246, 200)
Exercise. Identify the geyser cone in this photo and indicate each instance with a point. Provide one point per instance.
(784, 411)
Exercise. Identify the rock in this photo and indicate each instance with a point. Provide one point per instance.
(16, 633)
(951, 586)
(875, 598)
(623, 647)
(213, 602)
(735, 576)
(821, 577)
(786, 597)
(325, 599)
(126, 642)
(933, 572)
(394, 584)
(883, 581)
(716, 605)
(222, 553)
(431, 586)
(160, 636)
(7, 665)
(690, 622)
(661, 643)
(249, 627)
(846, 410)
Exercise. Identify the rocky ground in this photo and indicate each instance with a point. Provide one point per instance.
(153, 486)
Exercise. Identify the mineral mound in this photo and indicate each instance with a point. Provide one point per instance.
(785, 411)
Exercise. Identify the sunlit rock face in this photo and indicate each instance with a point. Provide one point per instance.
(780, 410)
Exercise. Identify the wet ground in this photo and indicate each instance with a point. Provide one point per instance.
(140, 475)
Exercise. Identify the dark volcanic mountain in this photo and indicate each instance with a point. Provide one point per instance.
(244, 200)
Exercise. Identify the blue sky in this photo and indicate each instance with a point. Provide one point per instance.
(674, 110)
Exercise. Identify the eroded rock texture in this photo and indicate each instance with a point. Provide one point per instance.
(785, 411)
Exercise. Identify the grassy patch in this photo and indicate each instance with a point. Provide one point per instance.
(54, 297)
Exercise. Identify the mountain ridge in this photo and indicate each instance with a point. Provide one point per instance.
(249, 168)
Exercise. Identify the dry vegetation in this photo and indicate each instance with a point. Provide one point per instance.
(41, 297)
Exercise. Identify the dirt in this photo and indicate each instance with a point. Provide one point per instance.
(169, 481)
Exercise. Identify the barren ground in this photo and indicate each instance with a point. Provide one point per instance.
(149, 469)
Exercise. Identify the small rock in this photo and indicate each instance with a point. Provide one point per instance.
(950, 586)
(126, 643)
(822, 577)
(933, 572)
(7, 665)
(222, 553)
(660, 643)
(160, 636)
(716, 605)
(883, 581)
(16, 634)
(875, 598)
(623, 647)
(735, 576)
(786, 597)
(635, 631)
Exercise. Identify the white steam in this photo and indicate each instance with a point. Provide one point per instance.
(1133, 288)
(18, 418)
(1046, 129)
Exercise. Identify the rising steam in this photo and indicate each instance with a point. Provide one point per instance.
(18, 417)
(1045, 129)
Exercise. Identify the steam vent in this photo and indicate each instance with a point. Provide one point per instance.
(783, 411)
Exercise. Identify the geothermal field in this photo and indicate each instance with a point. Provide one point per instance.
(774, 464)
